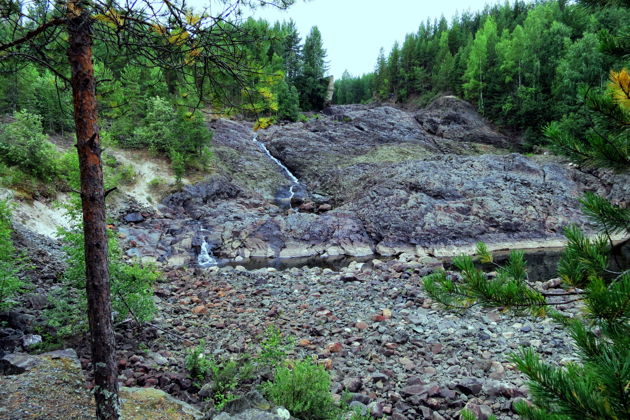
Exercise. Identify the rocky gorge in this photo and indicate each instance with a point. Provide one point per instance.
(387, 189)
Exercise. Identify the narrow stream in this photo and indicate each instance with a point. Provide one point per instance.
(207, 259)
(294, 181)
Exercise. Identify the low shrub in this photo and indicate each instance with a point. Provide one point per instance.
(304, 390)
(131, 286)
(10, 284)
(224, 375)
(274, 348)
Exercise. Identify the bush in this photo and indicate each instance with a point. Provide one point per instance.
(23, 144)
(304, 390)
(131, 287)
(274, 348)
(264, 122)
(224, 375)
(10, 284)
(197, 363)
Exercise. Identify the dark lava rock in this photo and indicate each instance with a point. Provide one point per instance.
(134, 217)
(470, 387)
(397, 181)
(450, 117)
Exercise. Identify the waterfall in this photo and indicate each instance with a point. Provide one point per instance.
(294, 181)
(205, 257)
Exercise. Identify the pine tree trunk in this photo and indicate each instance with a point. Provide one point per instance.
(93, 202)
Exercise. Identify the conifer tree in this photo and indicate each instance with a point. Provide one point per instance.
(381, 80)
(311, 84)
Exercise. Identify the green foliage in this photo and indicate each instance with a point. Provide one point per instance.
(197, 363)
(224, 375)
(610, 219)
(24, 87)
(178, 164)
(597, 386)
(508, 288)
(311, 84)
(10, 284)
(351, 90)
(131, 286)
(274, 348)
(469, 415)
(358, 415)
(304, 390)
(605, 142)
(288, 102)
(263, 122)
(157, 183)
(522, 64)
(595, 389)
(23, 144)
(583, 258)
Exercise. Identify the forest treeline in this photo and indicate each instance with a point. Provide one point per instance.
(523, 64)
(270, 75)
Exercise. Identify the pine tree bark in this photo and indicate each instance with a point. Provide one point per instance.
(93, 203)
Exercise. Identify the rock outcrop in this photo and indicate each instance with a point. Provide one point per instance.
(451, 118)
(52, 386)
(373, 179)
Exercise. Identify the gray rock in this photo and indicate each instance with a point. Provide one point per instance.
(252, 400)
(31, 340)
(253, 414)
(135, 217)
(450, 117)
(16, 363)
(353, 384)
(470, 387)
(414, 390)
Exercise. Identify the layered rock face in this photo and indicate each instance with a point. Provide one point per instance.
(373, 180)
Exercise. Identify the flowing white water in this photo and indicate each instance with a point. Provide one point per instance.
(205, 258)
(285, 170)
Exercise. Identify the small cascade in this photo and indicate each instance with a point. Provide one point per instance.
(294, 181)
(205, 257)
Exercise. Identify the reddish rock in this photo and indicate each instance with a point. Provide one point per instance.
(361, 325)
(308, 207)
(324, 207)
(414, 390)
(335, 347)
(201, 309)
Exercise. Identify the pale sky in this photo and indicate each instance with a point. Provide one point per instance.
(353, 31)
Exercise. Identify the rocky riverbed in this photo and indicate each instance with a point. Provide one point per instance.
(371, 325)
